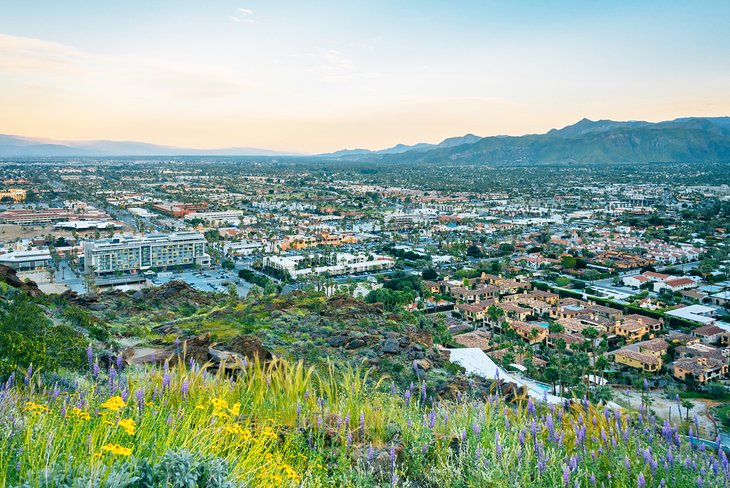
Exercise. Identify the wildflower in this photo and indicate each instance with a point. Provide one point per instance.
(185, 388)
(235, 409)
(90, 356)
(128, 425)
(117, 449)
(114, 404)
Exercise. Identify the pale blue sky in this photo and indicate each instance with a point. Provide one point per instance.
(318, 76)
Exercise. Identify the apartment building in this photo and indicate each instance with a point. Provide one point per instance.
(109, 258)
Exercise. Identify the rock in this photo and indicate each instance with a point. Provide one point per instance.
(9, 276)
(392, 335)
(418, 355)
(138, 295)
(355, 344)
(424, 364)
(98, 307)
(249, 347)
(230, 359)
(417, 347)
(391, 346)
(336, 341)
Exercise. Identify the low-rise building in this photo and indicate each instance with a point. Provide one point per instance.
(637, 360)
(700, 369)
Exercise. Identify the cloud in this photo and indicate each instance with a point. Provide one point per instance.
(63, 68)
(246, 11)
(233, 18)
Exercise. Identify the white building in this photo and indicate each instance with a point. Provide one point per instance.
(27, 260)
(343, 264)
(120, 256)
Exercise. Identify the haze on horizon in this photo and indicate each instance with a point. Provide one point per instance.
(320, 76)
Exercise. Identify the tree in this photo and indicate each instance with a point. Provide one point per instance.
(494, 313)
(602, 394)
(568, 262)
(429, 274)
(687, 405)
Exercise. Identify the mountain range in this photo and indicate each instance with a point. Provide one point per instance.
(686, 139)
(587, 141)
(18, 146)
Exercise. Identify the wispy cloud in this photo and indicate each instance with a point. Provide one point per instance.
(246, 11)
(29, 58)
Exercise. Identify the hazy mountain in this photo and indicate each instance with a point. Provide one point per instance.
(401, 148)
(18, 146)
(587, 141)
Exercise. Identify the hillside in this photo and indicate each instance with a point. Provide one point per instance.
(180, 388)
(586, 142)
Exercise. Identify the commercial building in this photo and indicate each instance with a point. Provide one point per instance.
(50, 215)
(27, 260)
(120, 259)
(341, 264)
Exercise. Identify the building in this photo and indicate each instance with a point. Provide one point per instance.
(341, 264)
(675, 284)
(700, 369)
(50, 215)
(709, 334)
(649, 363)
(120, 258)
(27, 260)
(16, 195)
(636, 281)
(695, 313)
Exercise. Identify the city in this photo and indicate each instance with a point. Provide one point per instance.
(284, 244)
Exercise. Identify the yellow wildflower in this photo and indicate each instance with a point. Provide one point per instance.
(79, 414)
(35, 408)
(114, 404)
(235, 409)
(117, 449)
(128, 425)
(218, 403)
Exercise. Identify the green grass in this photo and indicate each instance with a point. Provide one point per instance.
(282, 424)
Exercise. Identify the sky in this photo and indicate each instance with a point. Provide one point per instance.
(315, 76)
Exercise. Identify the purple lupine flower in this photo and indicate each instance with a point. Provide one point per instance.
(90, 356)
(29, 374)
(497, 444)
(299, 411)
(640, 481)
(166, 381)
(627, 464)
(566, 475)
(112, 375)
(530, 407)
(347, 420)
(423, 392)
(371, 454)
(166, 366)
(392, 456)
(362, 423)
(120, 362)
(432, 419)
(184, 388)
(139, 395)
(407, 396)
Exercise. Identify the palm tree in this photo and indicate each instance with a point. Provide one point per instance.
(688, 405)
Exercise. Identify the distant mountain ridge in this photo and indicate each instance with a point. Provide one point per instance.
(686, 139)
(603, 141)
(19, 146)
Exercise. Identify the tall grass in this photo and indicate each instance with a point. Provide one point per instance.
(283, 424)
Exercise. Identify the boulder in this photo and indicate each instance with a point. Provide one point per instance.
(391, 346)
(336, 341)
(249, 347)
(355, 344)
(9, 276)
